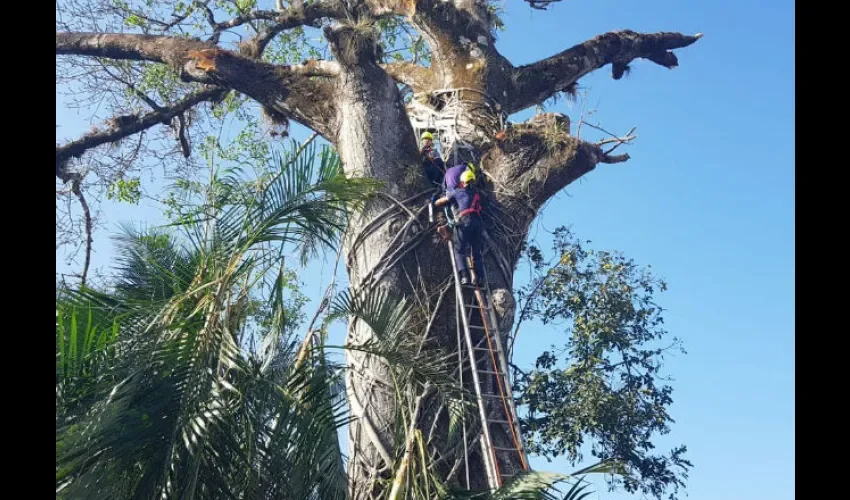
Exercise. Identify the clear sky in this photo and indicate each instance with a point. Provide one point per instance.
(707, 199)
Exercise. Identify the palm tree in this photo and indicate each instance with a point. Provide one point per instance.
(162, 390)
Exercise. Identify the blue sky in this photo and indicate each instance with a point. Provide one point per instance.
(707, 199)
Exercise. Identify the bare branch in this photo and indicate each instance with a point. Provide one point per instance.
(625, 139)
(537, 82)
(209, 15)
(299, 14)
(619, 140)
(75, 188)
(597, 127)
(123, 126)
(141, 95)
(181, 136)
(176, 19)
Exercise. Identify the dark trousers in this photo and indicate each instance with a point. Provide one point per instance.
(468, 241)
(434, 170)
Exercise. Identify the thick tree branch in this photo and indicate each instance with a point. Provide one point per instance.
(458, 33)
(539, 158)
(315, 67)
(181, 120)
(537, 82)
(163, 49)
(417, 77)
(123, 126)
(277, 88)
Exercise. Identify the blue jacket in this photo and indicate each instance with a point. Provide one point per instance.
(464, 199)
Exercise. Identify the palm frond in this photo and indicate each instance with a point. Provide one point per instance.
(304, 205)
(386, 314)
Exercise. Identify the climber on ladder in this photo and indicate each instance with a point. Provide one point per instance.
(467, 226)
(452, 177)
(432, 164)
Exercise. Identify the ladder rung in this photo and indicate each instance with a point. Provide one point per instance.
(497, 421)
(501, 448)
(479, 359)
(491, 372)
(477, 327)
(496, 349)
(488, 363)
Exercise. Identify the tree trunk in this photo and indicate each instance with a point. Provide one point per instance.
(375, 140)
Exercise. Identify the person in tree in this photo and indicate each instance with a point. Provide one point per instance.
(432, 164)
(468, 227)
(453, 175)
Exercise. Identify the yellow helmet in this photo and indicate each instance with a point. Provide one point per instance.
(427, 135)
(467, 177)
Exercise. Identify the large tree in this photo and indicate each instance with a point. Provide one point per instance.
(361, 101)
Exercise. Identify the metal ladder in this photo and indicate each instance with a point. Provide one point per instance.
(487, 362)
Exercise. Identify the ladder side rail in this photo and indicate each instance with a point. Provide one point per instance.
(503, 364)
(489, 456)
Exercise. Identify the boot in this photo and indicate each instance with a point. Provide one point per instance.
(478, 279)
